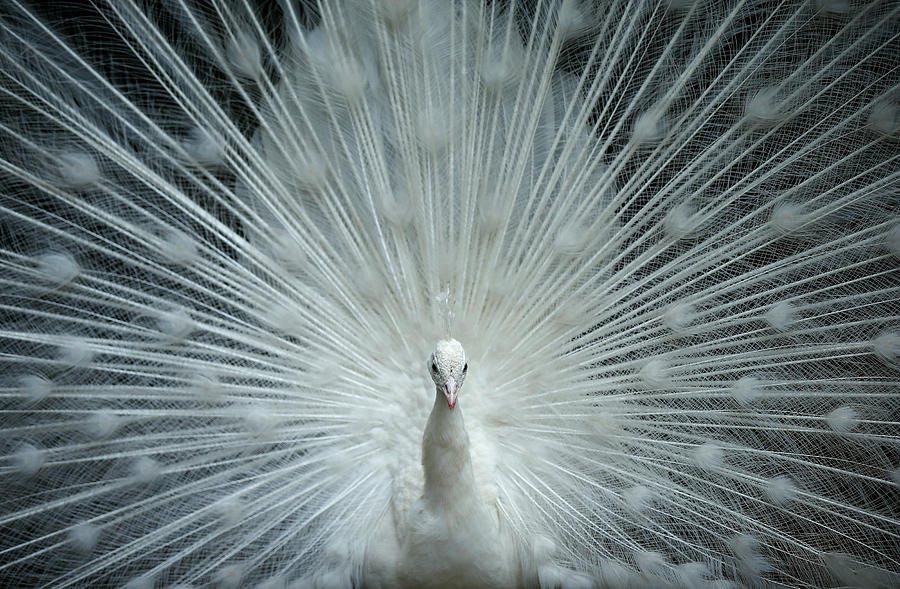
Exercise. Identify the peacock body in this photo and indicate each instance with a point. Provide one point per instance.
(249, 254)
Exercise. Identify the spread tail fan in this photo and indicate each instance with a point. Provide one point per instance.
(249, 253)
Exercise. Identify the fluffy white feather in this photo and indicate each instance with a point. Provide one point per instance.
(665, 234)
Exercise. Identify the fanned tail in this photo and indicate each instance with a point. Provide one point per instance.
(666, 234)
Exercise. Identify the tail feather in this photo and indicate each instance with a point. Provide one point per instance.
(665, 232)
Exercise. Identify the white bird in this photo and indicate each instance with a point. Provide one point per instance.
(451, 536)
(450, 293)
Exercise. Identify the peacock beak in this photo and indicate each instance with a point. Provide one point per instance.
(451, 388)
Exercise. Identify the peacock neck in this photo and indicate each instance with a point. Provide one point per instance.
(449, 480)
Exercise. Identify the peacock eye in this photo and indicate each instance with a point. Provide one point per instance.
(433, 367)
(465, 367)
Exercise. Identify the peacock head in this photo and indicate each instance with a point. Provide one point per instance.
(448, 368)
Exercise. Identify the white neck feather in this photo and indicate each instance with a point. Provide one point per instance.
(449, 480)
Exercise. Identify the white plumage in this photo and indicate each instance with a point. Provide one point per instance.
(650, 248)
(444, 528)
